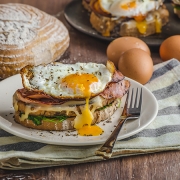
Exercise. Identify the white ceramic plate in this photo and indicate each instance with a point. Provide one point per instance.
(10, 85)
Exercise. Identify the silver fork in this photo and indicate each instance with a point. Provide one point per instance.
(132, 111)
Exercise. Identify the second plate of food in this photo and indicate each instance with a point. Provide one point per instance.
(79, 18)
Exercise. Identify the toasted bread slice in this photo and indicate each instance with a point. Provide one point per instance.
(67, 124)
(102, 24)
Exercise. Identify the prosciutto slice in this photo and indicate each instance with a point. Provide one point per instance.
(116, 90)
(37, 97)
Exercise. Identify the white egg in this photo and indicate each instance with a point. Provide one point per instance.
(129, 8)
(67, 80)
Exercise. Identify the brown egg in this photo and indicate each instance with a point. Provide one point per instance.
(136, 64)
(117, 47)
(170, 48)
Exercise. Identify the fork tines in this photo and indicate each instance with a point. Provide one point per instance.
(136, 106)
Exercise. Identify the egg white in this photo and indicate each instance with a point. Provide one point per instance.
(47, 78)
(114, 7)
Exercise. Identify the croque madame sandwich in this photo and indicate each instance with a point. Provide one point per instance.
(69, 96)
(176, 5)
(138, 18)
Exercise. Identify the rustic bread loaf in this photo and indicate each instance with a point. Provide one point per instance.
(28, 36)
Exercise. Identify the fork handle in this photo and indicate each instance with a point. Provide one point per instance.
(106, 149)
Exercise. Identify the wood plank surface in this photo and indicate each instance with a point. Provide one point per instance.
(157, 166)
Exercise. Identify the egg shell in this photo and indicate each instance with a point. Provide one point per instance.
(136, 64)
(118, 46)
(170, 48)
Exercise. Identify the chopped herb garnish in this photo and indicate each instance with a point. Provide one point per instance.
(108, 105)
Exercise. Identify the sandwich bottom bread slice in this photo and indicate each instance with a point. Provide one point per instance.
(65, 97)
(60, 117)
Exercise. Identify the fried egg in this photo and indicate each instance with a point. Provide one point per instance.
(129, 8)
(71, 81)
(59, 80)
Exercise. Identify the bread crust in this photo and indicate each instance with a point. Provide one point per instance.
(86, 5)
(38, 38)
(102, 24)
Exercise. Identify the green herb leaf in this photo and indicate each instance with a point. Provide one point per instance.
(108, 105)
(38, 119)
(104, 107)
(177, 7)
(119, 103)
(59, 118)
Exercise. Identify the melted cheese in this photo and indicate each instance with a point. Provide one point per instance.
(82, 119)
(56, 108)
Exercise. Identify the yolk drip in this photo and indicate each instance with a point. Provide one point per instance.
(83, 121)
(92, 130)
(158, 25)
(128, 5)
(141, 26)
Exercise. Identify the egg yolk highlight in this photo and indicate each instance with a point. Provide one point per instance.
(82, 122)
(128, 5)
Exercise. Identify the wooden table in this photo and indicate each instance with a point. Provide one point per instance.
(83, 48)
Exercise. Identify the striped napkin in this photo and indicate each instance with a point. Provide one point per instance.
(161, 135)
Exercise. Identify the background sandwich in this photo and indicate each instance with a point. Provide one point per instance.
(128, 17)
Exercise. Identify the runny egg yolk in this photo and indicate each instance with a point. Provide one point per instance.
(141, 26)
(83, 121)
